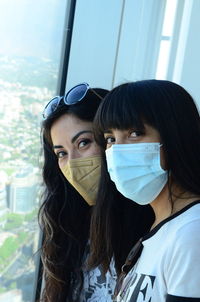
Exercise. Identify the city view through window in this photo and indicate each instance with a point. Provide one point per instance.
(31, 39)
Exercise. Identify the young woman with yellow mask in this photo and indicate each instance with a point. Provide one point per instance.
(71, 173)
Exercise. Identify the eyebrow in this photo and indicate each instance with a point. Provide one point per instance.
(78, 134)
(107, 131)
(74, 138)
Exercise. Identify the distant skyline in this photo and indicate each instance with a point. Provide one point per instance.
(30, 28)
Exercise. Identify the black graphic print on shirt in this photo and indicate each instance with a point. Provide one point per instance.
(143, 288)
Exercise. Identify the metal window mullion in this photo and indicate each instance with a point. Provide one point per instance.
(66, 47)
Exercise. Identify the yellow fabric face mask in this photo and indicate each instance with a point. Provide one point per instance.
(84, 175)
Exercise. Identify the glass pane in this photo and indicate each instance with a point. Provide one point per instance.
(169, 17)
(163, 60)
(165, 44)
(31, 39)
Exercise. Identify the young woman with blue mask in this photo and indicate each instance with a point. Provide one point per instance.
(151, 130)
(71, 173)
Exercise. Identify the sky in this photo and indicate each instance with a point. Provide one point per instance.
(30, 27)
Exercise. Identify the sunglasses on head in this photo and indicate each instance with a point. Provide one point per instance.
(72, 97)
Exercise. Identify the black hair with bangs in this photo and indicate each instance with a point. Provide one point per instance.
(118, 114)
(169, 109)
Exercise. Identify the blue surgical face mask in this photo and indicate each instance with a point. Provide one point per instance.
(135, 169)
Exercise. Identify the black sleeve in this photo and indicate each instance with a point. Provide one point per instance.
(171, 298)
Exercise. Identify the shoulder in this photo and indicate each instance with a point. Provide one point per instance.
(188, 233)
(185, 238)
(182, 266)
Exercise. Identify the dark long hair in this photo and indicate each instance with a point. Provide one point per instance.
(170, 109)
(64, 215)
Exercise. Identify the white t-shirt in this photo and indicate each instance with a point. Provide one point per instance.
(97, 287)
(168, 269)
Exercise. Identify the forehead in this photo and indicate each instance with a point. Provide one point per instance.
(66, 126)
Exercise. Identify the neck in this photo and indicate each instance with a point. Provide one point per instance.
(170, 202)
(161, 206)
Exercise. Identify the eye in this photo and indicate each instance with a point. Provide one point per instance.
(136, 133)
(61, 154)
(109, 140)
(83, 143)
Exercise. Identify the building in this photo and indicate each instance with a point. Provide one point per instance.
(23, 190)
(3, 201)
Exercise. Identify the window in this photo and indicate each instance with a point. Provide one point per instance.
(166, 38)
(30, 52)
